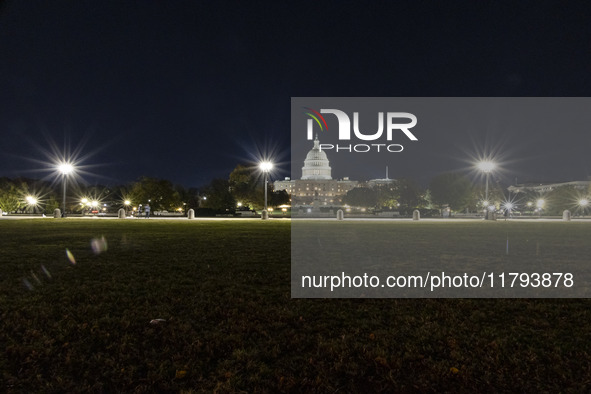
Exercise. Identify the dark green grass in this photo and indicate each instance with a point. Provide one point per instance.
(223, 288)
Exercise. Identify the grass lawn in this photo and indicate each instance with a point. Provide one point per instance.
(475, 247)
(223, 289)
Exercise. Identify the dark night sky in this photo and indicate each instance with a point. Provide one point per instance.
(186, 90)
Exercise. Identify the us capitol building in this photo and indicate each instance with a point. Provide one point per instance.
(316, 185)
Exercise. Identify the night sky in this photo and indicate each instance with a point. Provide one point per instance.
(187, 90)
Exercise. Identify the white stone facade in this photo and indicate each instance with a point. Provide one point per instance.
(316, 183)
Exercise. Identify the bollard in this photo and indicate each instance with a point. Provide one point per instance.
(0, 213)
(340, 214)
(57, 213)
(121, 213)
(264, 214)
(191, 214)
(566, 215)
(416, 214)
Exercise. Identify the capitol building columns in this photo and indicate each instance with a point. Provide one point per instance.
(316, 185)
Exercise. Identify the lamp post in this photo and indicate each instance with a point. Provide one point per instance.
(31, 202)
(540, 204)
(487, 167)
(65, 169)
(265, 166)
(583, 203)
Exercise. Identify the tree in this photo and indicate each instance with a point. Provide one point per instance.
(159, 193)
(496, 195)
(51, 204)
(451, 189)
(10, 198)
(386, 196)
(278, 197)
(410, 194)
(192, 198)
(361, 197)
(246, 187)
(218, 196)
(561, 198)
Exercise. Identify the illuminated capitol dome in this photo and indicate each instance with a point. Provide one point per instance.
(316, 185)
(316, 164)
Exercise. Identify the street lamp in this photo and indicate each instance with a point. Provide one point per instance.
(487, 167)
(65, 169)
(540, 205)
(584, 203)
(31, 202)
(265, 166)
(509, 206)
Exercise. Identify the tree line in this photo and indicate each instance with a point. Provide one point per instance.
(458, 193)
(20, 195)
(244, 190)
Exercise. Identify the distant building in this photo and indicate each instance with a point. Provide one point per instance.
(316, 182)
(381, 182)
(546, 187)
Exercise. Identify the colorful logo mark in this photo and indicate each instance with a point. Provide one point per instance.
(315, 115)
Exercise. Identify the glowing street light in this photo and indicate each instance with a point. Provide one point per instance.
(266, 166)
(31, 200)
(509, 206)
(487, 167)
(540, 203)
(583, 202)
(126, 203)
(65, 168)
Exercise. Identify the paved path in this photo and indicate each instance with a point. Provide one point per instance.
(22, 217)
(433, 220)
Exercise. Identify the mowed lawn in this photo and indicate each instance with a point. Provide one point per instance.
(84, 322)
